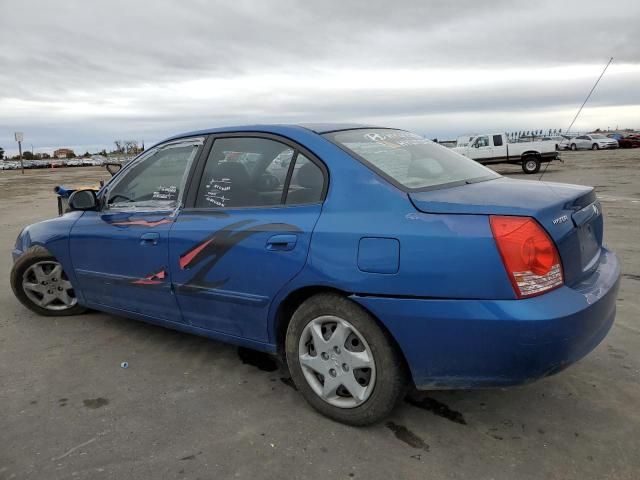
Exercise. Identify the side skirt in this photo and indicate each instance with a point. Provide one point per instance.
(183, 327)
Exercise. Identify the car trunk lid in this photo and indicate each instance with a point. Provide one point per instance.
(570, 214)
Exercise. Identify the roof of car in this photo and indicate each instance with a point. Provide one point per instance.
(319, 128)
(334, 127)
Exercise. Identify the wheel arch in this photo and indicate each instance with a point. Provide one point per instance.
(531, 153)
(297, 297)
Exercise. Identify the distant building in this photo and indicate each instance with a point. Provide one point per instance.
(63, 153)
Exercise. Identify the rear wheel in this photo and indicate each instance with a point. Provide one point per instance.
(40, 283)
(595, 146)
(342, 361)
(574, 147)
(531, 164)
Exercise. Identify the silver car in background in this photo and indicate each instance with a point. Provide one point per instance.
(593, 141)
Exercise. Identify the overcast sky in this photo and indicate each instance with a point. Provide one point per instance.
(83, 73)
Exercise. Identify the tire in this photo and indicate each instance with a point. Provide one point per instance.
(595, 146)
(531, 164)
(39, 258)
(382, 386)
(574, 147)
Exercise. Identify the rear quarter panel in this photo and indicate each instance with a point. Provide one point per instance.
(441, 256)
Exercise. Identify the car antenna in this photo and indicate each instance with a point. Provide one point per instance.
(580, 110)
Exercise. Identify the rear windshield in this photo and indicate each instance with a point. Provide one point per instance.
(408, 160)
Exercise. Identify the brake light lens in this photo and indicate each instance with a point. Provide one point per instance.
(529, 255)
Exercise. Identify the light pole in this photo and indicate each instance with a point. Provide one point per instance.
(19, 136)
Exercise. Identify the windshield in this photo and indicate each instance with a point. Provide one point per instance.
(408, 159)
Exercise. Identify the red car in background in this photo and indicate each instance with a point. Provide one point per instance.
(626, 141)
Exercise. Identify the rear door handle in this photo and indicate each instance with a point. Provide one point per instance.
(282, 242)
(149, 238)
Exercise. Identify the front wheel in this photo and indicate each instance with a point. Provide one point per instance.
(531, 165)
(595, 146)
(574, 147)
(40, 283)
(343, 362)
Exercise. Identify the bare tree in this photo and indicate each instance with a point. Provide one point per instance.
(119, 146)
(131, 146)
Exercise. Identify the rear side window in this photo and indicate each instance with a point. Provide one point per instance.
(497, 140)
(244, 172)
(256, 172)
(307, 182)
(408, 160)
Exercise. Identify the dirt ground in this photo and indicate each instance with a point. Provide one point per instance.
(188, 407)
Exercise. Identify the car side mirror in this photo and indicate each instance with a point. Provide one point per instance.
(113, 168)
(83, 200)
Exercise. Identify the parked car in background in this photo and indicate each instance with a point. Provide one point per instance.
(593, 141)
(9, 165)
(495, 148)
(379, 260)
(626, 141)
(562, 142)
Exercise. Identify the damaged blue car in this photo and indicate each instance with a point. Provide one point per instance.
(369, 258)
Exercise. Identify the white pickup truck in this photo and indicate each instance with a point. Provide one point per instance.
(495, 148)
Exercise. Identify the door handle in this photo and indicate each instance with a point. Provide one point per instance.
(149, 238)
(282, 242)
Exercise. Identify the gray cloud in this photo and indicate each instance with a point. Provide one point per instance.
(56, 55)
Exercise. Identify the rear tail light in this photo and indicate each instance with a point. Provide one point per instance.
(529, 255)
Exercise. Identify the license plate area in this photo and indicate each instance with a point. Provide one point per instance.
(588, 223)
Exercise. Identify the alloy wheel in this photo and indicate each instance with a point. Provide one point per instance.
(47, 286)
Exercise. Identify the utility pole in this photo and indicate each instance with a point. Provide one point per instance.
(19, 136)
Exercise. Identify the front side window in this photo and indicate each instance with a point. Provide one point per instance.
(481, 142)
(409, 160)
(244, 172)
(155, 180)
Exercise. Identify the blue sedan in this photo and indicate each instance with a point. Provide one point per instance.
(369, 258)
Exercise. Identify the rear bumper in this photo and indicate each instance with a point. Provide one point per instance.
(549, 156)
(485, 343)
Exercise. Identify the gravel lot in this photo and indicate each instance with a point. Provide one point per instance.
(188, 407)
